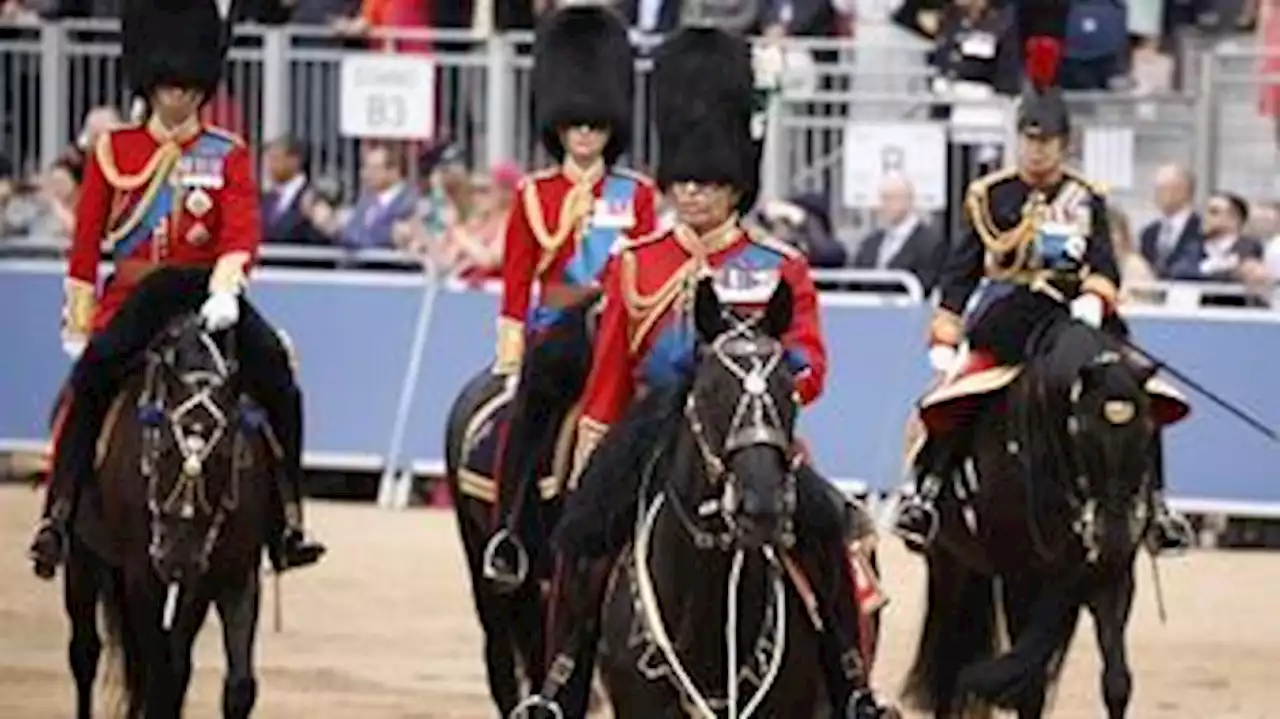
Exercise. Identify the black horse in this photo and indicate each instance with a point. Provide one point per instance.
(703, 610)
(1047, 514)
(176, 522)
(497, 470)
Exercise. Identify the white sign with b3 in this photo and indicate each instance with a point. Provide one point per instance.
(388, 96)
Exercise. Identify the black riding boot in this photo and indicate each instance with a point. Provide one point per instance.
(293, 548)
(72, 464)
(574, 626)
(1170, 531)
(845, 676)
(917, 519)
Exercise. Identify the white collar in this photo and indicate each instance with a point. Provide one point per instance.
(905, 227)
(1178, 220)
(387, 196)
(290, 189)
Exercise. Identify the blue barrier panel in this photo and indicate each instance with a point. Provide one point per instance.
(353, 333)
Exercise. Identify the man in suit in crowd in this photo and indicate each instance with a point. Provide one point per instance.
(286, 205)
(1225, 255)
(652, 16)
(905, 241)
(385, 198)
(1176, 238)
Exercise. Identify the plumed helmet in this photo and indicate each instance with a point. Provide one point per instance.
(704, 104)
(583, 74)
(182, 43)
(1042, 25)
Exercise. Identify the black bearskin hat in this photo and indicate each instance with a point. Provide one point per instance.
(704, 101)
(583, 73)
(182, 43)
(1042, 25)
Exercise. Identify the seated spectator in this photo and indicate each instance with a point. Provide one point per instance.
(1134, 270)
(1176, 237)
(1226, 255)
(288, 200)
(18, 208)
(472, 249)
(55, 220)
(976, 53)
(1097, 45)
(804, 222)
(904, 240)
(385, 198)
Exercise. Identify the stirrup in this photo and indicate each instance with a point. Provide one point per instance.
(911, 537)
(1170, 524)
(499, 571)
(536, 701)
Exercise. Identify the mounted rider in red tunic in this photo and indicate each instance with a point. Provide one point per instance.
(177, 195)
(707, 117)
(1036, 236)
(562, 228)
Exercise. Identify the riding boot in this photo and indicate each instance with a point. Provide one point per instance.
(846, 677)
(573, 623)
(293, 548)
(74, 451)
(917, 518)
(1170, 531)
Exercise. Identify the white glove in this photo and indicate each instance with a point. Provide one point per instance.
(73, 345)
(220, 311)
(1088, 309)
(942, 357)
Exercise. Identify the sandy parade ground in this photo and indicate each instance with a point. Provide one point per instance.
(383, 629)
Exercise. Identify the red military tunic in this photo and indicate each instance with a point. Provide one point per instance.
(546, 228)
(643, 337)
(160, 197)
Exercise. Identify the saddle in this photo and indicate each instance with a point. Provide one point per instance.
(979, 375)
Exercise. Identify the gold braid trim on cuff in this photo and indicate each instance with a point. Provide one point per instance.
(79, 303)
(590, 433)
(947, 328)
(1103, 287)
(229, 273)
(510, 348)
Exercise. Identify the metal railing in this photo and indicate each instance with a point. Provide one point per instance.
(284, 80)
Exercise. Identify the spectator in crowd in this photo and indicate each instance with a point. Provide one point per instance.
(804, 222)
(443, 194)
(288, 200)
(976, 52)
(1226, 255)
(798, 18)
(1176, 237)
(55, 220)
(18, 206)
(1269, 67)
(904, 240)
(657, 17)
(472, 248)
(1134, 270)
(385, 197)
(1097, 45)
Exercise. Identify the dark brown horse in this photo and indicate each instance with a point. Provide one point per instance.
(498, 470)
(1044, 520)
(175, 523)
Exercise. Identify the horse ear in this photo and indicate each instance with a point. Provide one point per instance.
(777, 314)
(708, 314)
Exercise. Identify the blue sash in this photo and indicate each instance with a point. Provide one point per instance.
(592, 253)
(161, 201)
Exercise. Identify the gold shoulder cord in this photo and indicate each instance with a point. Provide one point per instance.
(645, 309)
(575, 206)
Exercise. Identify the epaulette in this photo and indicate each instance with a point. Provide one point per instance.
(1094, 186)
(544, 174)
(991, 179)
(225, 134)
(627, 244)
(636, 175)
(764, 239)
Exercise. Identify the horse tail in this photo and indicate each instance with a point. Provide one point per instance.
(959, 629)
(124, 651)
(1039, 652)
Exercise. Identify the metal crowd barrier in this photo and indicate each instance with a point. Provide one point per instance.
(284, 80)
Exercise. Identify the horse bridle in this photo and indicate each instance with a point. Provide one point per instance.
(194, 449)
(757, 421)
